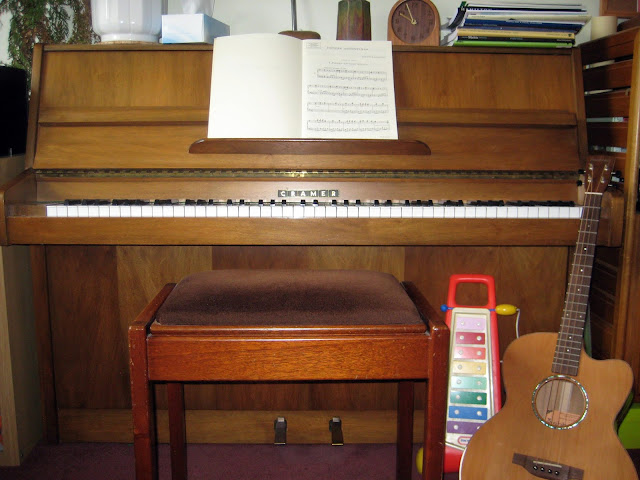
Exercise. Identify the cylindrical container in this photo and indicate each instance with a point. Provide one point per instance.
(127, 20)
(603, 26)
(354, 20)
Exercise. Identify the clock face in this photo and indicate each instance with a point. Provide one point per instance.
(413, 21)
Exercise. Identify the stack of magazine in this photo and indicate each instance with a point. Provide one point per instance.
(515, 24)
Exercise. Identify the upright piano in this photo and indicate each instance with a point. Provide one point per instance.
(123, 193)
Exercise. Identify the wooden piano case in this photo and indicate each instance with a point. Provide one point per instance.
(118, 122)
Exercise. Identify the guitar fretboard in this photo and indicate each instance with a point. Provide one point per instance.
(569, 345)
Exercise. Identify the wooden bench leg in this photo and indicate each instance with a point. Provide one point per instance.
(177, 431)
(435, 422)
(142, 406)
(404, 445)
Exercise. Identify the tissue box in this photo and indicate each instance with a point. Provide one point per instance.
(192, 28)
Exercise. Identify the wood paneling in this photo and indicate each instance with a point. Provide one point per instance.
(614, 293)
(513, 268)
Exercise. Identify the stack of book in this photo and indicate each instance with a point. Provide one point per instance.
(540, 25)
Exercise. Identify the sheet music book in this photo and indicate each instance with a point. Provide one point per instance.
(276, 86)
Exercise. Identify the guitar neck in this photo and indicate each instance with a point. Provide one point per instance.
(569, 345)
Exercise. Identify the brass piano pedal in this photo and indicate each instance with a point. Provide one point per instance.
(335, 426)
(280, 427)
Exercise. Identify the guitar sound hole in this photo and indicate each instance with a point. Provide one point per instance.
(560, 402)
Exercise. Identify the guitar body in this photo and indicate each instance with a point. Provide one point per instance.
(582, 446)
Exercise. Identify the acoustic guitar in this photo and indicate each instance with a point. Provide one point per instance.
(561, 405)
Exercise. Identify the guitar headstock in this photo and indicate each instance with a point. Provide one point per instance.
(598, 176)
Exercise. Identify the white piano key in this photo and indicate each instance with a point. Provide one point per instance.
(352, 211)
(554, 212)
(438, 211)
(417, 212)
(396, 211)
(575, 212)
(298, 211)
(201, 211)
(125, 211)
(321, 211)
(179, 211)
(449, 212)
(114, 211)
(492, 212)
(341, 211)
(254, 211)
(243, 210)
(309, 211)
(190, 211)
(83, 211)
(532, 212)
(331, 211)
(265, 211)
(72, 211)
(61, 211)
(501, 212)
(543, 211)
(374, 211)
(167, 211)
(427, 212)
(459, 212)
(147, 211)
(406, 211)
(212, 211)
(385, 211)
(277, 211)
(480, 211)
(287, 211)
(364, 211)
(512, 212)
(52, 211)
(103, 211)
(136, 211)
(222, 211)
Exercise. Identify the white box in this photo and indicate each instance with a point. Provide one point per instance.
(192, 28)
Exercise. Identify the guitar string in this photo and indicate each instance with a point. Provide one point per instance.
(581, 266)
(568, 347)
(573, 318)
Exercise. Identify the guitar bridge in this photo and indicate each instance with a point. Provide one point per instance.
(546, 469)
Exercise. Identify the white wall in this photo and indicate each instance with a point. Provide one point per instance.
(258, 16)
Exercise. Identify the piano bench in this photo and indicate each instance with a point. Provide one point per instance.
(288, 325)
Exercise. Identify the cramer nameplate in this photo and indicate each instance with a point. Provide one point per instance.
(309, 193)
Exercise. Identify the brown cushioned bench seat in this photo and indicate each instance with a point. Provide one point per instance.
(288, 326)
(280, 299)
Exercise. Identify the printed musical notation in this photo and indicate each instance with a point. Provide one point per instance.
(350, 74)
(362, 108)
(349, 90)
(348, 126)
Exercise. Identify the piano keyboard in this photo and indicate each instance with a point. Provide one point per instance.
(312, 209)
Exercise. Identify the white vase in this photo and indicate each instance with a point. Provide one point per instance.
(127, 20)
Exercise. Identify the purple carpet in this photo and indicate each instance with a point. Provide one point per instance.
(113, 461)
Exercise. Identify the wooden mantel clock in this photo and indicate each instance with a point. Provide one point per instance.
(414, 22)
